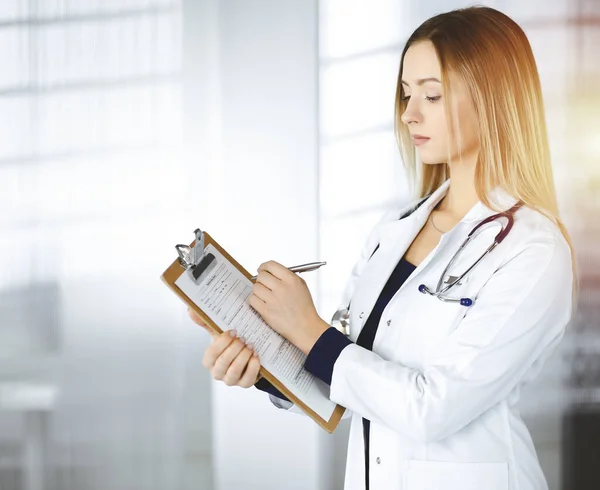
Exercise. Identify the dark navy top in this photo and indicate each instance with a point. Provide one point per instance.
(329, 346)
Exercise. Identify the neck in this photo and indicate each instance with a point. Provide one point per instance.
(461, 195)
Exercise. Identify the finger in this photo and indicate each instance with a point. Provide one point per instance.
(266, 279)
(237, 367)
(256, 302)
(227, 357)
(261, 292)
(214, 350)
(250, 376)
(276, 269)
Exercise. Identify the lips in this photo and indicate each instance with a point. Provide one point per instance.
(419, 139)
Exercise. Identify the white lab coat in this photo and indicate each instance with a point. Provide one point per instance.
(441, 383)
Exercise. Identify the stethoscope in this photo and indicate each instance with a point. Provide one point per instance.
(341, 317)
(439, 291)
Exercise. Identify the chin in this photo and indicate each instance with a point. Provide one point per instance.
(431, 160)
(429, 157)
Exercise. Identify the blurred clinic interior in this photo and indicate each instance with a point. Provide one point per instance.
(127, 124)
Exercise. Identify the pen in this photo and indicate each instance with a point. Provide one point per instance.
(311, 266)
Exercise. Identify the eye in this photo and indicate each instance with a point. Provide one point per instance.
(434, 99)
(405, 97)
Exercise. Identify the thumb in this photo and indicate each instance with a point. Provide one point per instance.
(200, 321)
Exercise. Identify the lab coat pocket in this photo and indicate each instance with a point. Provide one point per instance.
(434, 320)
(438, 475)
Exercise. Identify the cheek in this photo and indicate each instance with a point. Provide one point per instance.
(463, 137)
(442, 132)
(436, 151)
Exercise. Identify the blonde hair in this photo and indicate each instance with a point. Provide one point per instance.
(491, 55)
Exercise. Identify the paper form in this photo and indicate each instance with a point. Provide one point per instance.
(222, 294)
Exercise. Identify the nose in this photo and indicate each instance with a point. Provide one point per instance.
(411, 113)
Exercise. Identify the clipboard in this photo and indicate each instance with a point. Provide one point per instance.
(198, 263)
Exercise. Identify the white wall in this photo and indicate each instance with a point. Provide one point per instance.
(265, 85)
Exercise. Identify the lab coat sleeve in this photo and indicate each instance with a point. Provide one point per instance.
(277, 398)
(518, 318)
(264, 385)
(293, 408)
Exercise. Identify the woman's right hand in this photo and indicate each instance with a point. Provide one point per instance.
(228, 358)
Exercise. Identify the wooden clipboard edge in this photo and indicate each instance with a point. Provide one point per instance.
(174, 271)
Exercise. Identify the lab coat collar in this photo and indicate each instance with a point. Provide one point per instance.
(403, 231)
(478, 212)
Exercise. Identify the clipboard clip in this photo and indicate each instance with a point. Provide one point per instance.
(194, 260)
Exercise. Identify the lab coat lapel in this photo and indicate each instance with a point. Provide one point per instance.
(394, 239)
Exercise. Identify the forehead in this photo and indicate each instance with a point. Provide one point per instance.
(420, 61)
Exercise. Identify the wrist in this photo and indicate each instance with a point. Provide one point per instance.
(311, 334)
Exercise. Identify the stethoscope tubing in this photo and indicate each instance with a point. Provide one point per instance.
(439, 290)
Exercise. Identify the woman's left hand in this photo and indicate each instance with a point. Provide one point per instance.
(283, 300)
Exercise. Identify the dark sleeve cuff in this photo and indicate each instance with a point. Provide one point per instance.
(264, 385)
(322, 356)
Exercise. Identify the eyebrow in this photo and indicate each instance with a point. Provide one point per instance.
(423, 80)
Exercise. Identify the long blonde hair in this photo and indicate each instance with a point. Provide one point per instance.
(491, 55)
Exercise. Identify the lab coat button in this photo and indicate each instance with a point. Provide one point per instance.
(388, 322)
(361, 314)
(378, 460)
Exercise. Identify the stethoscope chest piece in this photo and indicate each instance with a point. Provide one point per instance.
(463, 301)
(341, 321)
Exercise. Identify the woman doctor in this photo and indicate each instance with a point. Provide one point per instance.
(431, 385)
